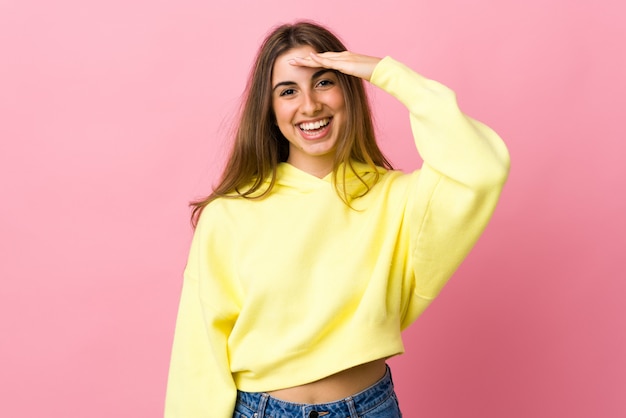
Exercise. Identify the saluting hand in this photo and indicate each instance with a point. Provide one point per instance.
(346, 62)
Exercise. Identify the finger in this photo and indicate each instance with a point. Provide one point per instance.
(304, 62)
(346, 62)
(335, 62)
(321, 60)
(332, 54)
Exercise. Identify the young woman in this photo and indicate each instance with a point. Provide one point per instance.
(312, 254)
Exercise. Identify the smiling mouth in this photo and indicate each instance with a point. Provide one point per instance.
(312, 127)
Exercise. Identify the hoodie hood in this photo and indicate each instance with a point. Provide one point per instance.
(357, 177)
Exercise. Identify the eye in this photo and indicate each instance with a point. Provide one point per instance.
(325, 83)
(287, 92)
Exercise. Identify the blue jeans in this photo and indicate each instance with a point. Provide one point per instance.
(377, 401)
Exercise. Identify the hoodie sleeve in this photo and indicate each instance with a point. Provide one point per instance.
(455, 193)
(200, 383)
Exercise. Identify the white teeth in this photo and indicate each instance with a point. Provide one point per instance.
(310, 126)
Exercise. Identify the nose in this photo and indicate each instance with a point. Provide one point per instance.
(310, 104)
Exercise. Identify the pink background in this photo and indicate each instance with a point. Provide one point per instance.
(112, 117)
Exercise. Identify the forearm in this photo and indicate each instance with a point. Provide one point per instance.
(449, 142)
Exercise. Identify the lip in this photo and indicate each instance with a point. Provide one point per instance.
(320, 134)
(312, 120)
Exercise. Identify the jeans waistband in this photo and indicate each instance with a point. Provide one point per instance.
(352, 406)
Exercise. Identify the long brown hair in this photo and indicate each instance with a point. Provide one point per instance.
(259, 146)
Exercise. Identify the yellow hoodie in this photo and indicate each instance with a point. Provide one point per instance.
(287, 290)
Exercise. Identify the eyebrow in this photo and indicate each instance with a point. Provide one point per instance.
(313, 77)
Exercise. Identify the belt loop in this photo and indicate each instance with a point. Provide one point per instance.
(351, 407)
(262, 404)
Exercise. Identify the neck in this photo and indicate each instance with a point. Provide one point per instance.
(320, 168)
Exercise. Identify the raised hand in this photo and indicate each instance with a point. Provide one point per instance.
(346, 62)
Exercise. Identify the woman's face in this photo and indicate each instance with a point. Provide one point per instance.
(310, 111)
